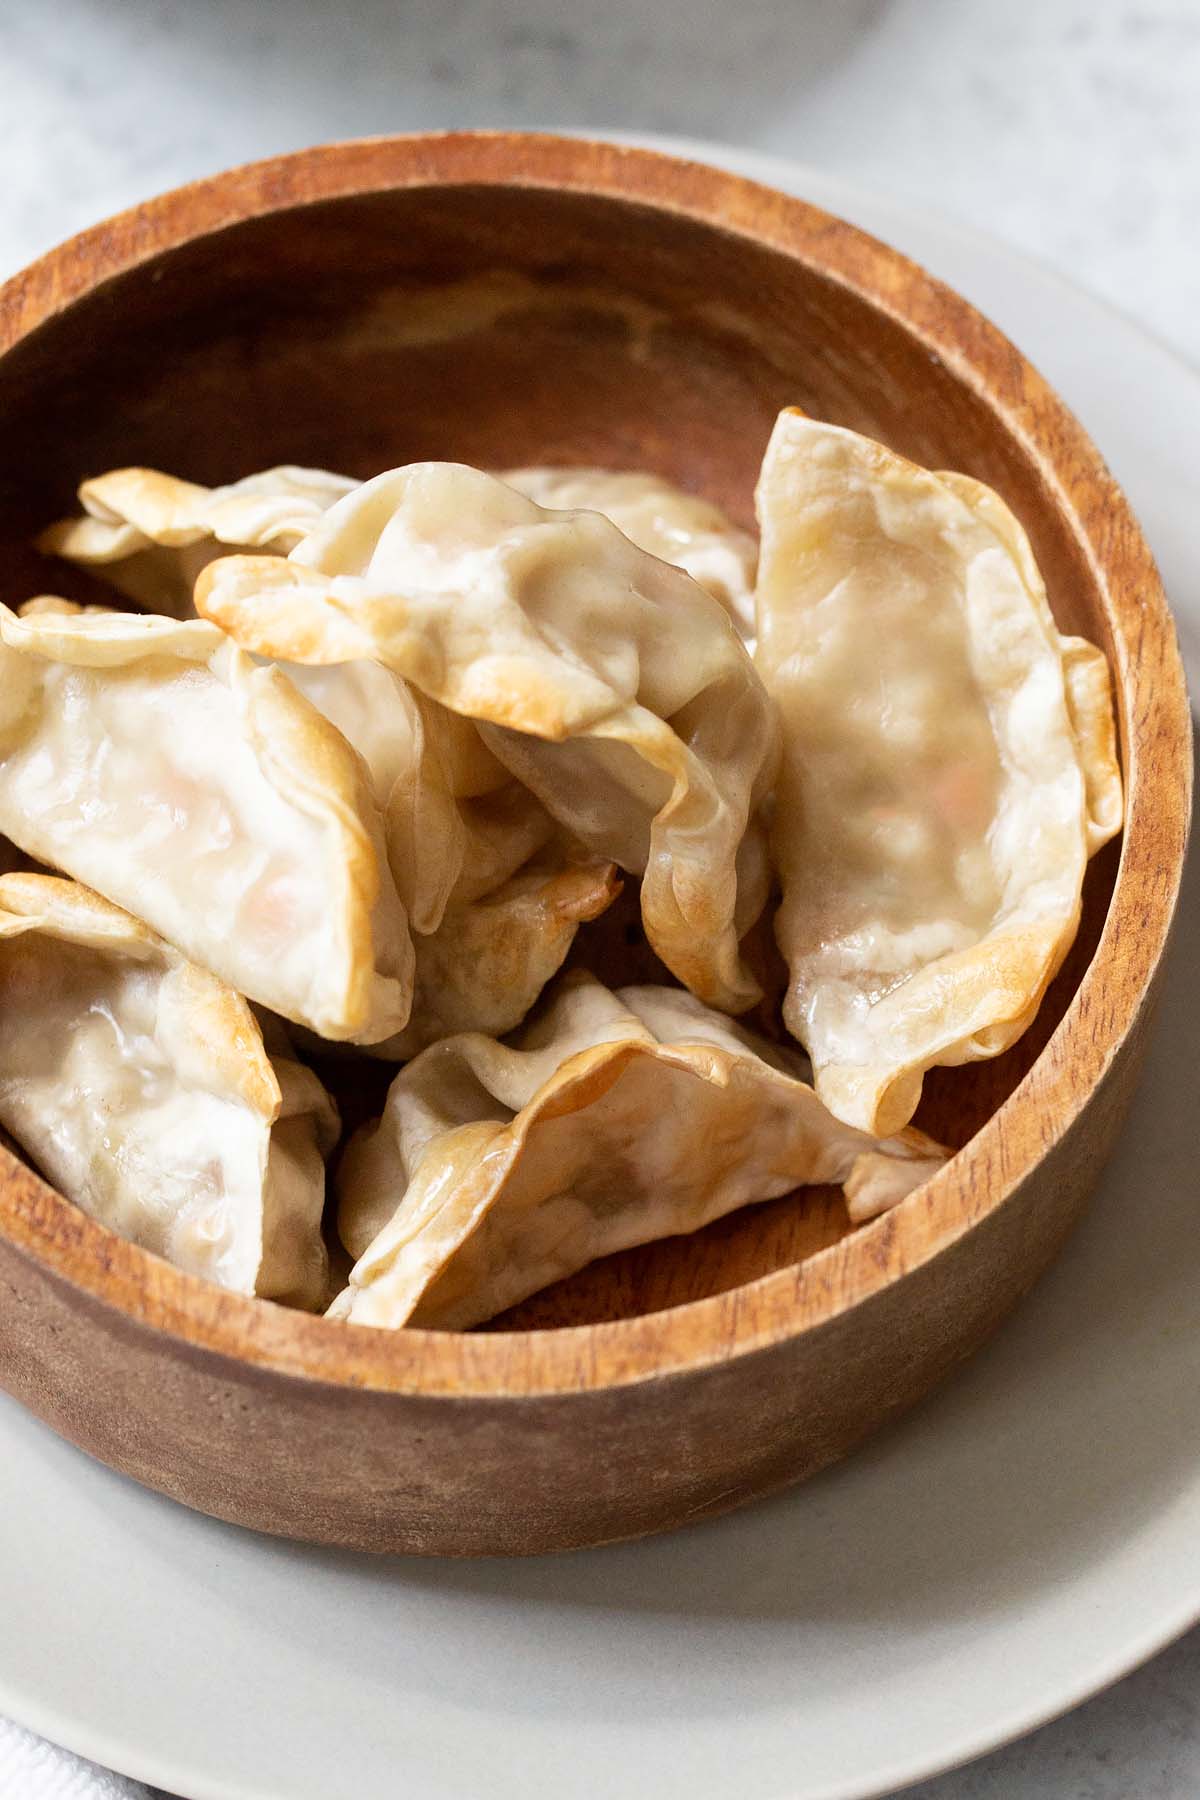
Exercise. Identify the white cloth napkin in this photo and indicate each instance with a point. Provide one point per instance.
(32, 1769)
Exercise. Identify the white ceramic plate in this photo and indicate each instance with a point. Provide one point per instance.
(1022, 1539)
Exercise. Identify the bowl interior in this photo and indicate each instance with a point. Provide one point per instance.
(505, 325)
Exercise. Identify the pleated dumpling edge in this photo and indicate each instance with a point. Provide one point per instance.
(944, 776)
(609, 682)
(141, 1085)
(153, 761)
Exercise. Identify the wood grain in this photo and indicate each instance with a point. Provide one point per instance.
(508, 299)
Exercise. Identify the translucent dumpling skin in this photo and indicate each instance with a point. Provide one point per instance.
(657, 516)
(609, 683)
(141, 1087)
(153, 761)
(610, 1120)
(949, 764)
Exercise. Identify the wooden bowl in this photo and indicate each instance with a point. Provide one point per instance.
(511, 299)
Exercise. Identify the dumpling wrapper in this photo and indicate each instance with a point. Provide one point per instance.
(609, 683)
(485, 966)
(949, 763)
(493, 903)
(614, 1119)
(661, 518)
(149, 534)
(141, 1087)
(1086, 674)
(54, 606)
(456, 823)
(152, 760)
(490, 925)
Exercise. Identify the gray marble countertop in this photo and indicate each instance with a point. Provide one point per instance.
(1070, 128)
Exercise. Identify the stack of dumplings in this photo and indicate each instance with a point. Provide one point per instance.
(435, 769)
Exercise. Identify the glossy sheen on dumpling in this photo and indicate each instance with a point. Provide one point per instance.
(1086, 675)
(140, 1086)
(152, 760)
(657, 516)
(949, 763)
(614, 1119)
(609, 683)
(493, 903)
(456, 823)
(149, 534)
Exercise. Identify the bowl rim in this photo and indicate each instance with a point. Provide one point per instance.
(981, 1177)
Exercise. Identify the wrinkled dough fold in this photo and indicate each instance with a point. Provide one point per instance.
(949, 763)
(609, 683)
(662, 519)
(611, 1120)
(149, 534)
(141, 1086)
(489, 959)
(154, 761)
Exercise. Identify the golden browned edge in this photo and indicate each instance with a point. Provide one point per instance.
(1110, 998)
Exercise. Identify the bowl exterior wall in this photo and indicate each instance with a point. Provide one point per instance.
(438, 1475)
